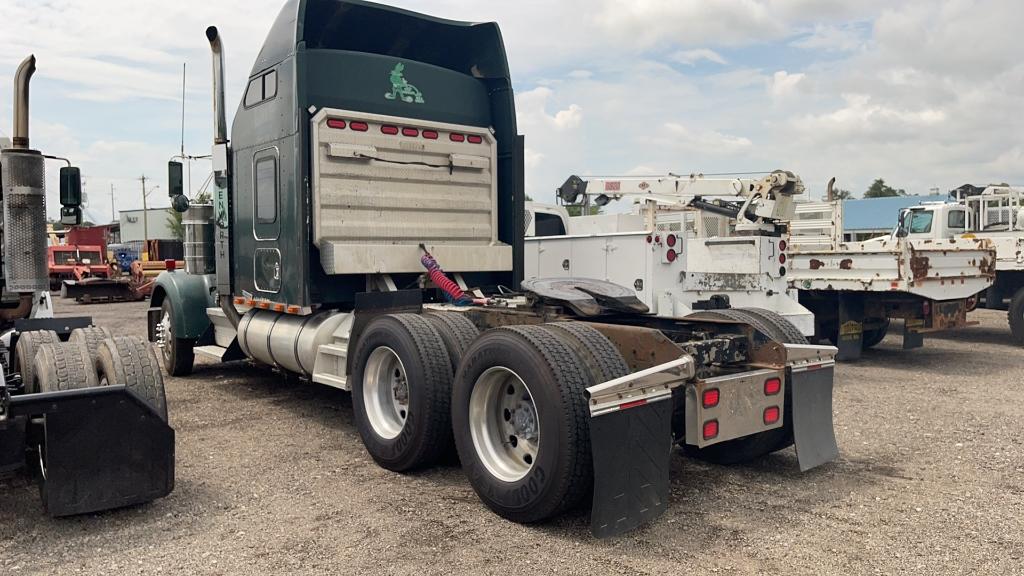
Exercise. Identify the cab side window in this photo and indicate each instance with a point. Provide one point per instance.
(261, 88)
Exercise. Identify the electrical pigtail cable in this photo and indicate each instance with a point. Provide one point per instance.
(451, 290)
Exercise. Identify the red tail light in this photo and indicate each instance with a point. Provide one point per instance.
(710, 397)
(710, 429)
(670, 256)
(670, 240)
(772, 386)
(771, 415)
(457, 137)
(389, 130)
(410, 132)
(782, 245)
(650, 239)
(782, 258)
(359, 126)
(336, 123)
(430, 134)
(170, 265)
(475, 139)
(657, 239)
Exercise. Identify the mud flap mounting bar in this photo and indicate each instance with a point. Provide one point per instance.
(631, 444)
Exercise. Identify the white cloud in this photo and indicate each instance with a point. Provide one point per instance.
(841, 38)
(533, 110)
(705, 141)
(783, 84)
(691, 57)
(581, 74)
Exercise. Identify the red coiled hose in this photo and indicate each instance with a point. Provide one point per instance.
(438, 277)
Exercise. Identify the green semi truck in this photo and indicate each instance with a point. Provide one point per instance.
(372, 147)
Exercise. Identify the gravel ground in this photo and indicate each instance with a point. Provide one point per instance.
(273, 479)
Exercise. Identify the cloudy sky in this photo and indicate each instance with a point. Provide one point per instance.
(924, 94)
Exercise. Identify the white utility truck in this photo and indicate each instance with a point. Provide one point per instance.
(690, 244)
(996, 215)
(856, 288)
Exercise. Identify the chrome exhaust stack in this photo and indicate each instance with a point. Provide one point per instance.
(23, 181)
(21, 79)
(220, 122)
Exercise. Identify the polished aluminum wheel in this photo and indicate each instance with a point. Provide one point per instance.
(163, 336)
(504, 424)
(386, 392)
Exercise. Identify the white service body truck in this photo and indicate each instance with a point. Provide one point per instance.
(679, 256)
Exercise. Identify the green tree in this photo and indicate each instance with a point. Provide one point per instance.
(577, 210)
(879, 189)
(174, 223)
(842, 194)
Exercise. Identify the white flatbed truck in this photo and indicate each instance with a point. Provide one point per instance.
(856, 288)
(995, 215)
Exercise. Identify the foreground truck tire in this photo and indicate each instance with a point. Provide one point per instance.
(91, 336)
(178, 353)
(521, 423)
(63, 366)
(457, 333)
(130, 361)
(25, 355)
(401, 392)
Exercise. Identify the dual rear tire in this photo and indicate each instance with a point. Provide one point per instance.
(511, 401)
(90, 357)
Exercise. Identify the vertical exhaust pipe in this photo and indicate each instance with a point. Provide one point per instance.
(21, 79)
(220, 122)
(23, 185)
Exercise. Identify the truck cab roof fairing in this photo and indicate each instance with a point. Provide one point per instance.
(354, 25)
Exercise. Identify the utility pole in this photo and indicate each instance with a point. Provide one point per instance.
(112, 216)
(145, 214)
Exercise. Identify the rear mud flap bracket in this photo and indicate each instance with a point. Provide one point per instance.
(631, 452)
(813, 434)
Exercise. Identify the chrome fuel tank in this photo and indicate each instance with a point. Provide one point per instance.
(285, 340)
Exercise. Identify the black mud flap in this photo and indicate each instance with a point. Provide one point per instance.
(12, 444)
(104, 448)
(813, 433)
(632, 450)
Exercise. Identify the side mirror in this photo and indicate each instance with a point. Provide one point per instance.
(175, 182)
(70, 187)
(901, 228)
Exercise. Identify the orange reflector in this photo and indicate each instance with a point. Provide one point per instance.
(264, 305)
(294, 310)
(250, 302)
(239, 300)
(633, 404)
(771, 415)
(278, 307)
(710, 429)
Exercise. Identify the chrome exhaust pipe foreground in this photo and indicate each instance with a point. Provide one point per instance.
(21, 80)
(220, 122)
